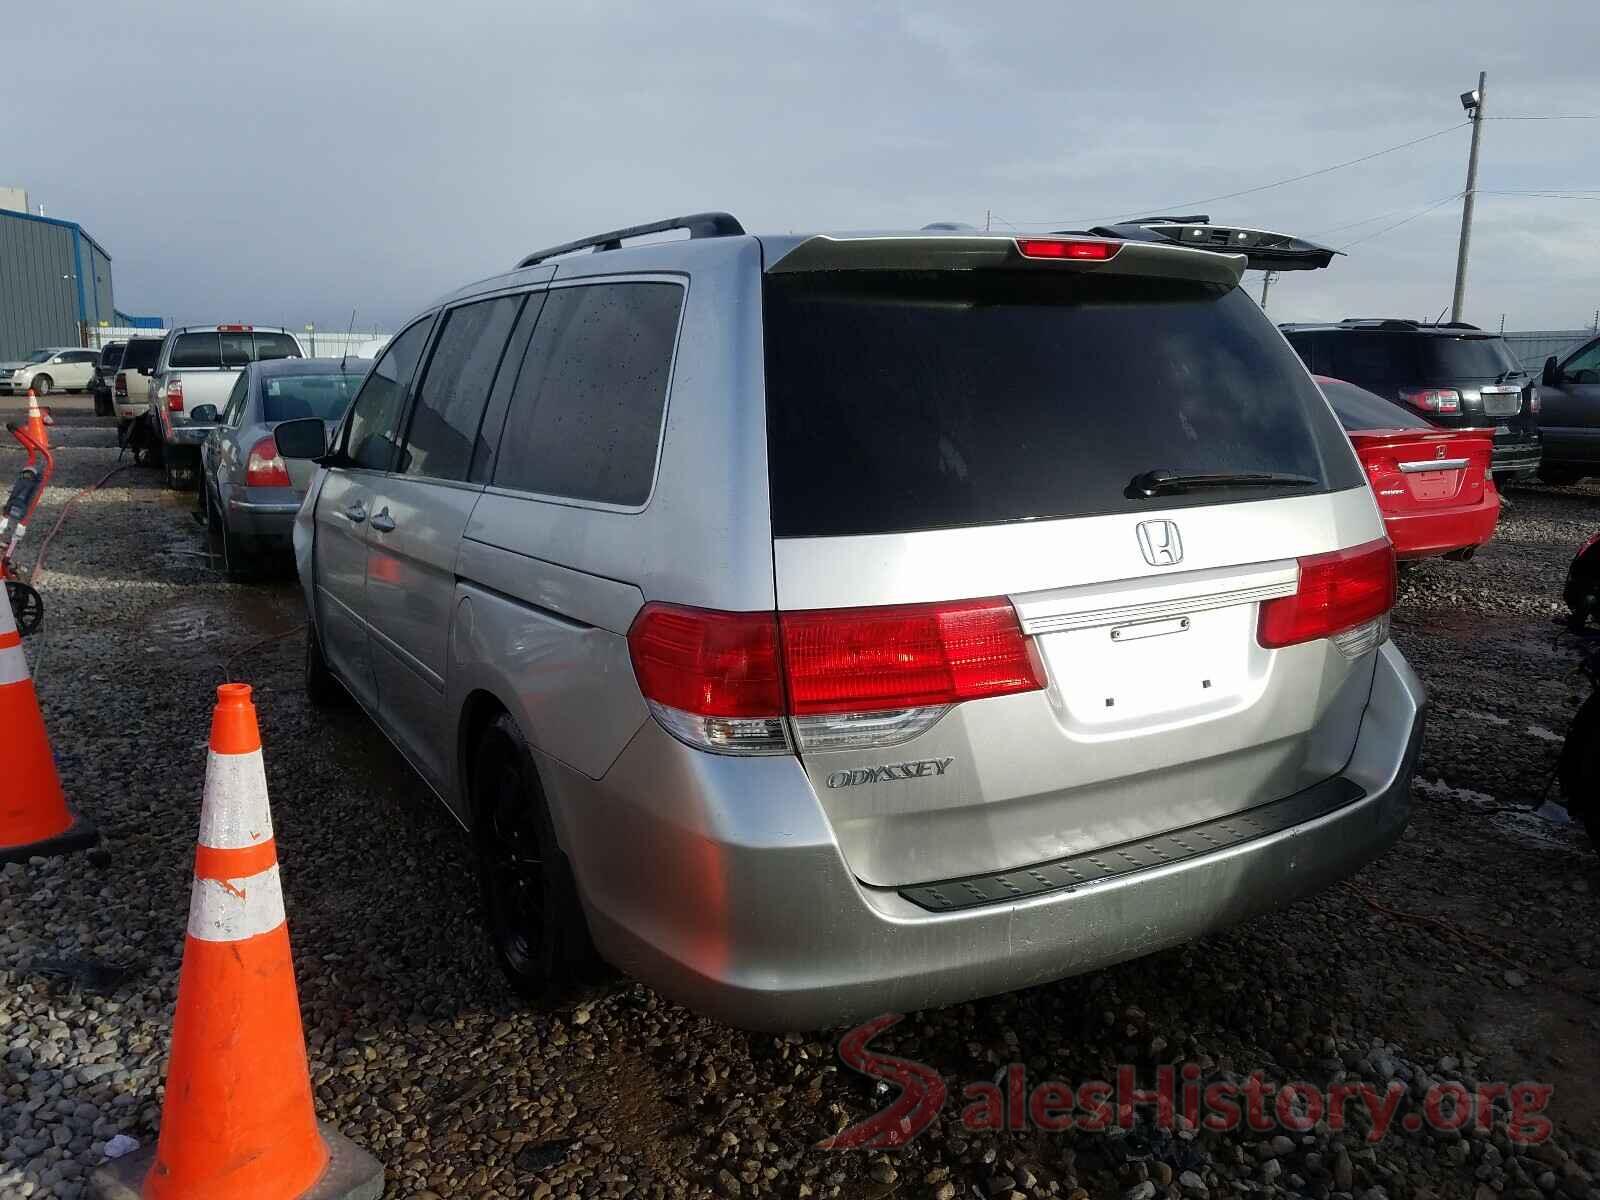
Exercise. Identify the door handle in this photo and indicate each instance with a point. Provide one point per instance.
(383, 522)
(356, 513)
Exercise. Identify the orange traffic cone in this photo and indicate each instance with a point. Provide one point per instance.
(38, 418)
(238, 1121)
(34, 816)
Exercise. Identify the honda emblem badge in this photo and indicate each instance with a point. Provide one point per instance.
(1160, 544)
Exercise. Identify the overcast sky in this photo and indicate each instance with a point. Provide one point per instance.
(292, 161)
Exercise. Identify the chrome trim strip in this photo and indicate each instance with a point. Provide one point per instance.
(1438, 464)
(1151, 598)
(263, 506)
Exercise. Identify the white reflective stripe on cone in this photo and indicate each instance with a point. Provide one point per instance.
(13, 663)
(235, 909)
(234, 811)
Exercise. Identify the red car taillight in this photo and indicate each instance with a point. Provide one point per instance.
(264, 467)
(121, 386)
(1434, 400)
(1339, 593)
(175, 396)
(841, 677)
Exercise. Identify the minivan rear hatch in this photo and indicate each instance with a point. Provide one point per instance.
(1110, 442)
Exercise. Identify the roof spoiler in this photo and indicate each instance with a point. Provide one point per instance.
(960, 251)
(1263, 249)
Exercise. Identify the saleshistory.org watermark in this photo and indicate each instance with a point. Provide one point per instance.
(1177, 1099)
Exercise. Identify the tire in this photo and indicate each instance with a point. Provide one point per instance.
(41, 385)
(1579, 767)
(323, 689)
(237, 564)
(536, 925)
(102, 405)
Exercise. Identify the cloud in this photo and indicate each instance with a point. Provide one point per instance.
(294, 161)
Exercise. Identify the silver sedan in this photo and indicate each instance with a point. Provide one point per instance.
(249, 493)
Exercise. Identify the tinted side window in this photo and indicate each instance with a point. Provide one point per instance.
(275, 345)
(195, 350)
(375, 413)
(455, 387)
(83, 356)
(585, 417)
(142, 352)
(111, 356)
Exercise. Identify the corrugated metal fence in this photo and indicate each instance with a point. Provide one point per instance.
(1532, 347)
(326, 344)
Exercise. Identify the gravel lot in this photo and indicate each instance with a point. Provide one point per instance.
(419, 1052)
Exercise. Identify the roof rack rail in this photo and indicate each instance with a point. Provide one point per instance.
(1457, 325)
(1381, 323)
(699, 225)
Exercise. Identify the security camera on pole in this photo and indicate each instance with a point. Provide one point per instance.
(1473, 103)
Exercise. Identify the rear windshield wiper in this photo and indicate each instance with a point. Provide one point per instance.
(1161, 481)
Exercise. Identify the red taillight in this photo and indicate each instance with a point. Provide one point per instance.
(725, 680)
(904, 656)
(1437, 400)
(122, 383)
(264, 468)
(1337, 592)
(1057, 248)
(713, 664)
(175, 396)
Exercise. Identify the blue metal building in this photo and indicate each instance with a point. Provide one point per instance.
(55, 283)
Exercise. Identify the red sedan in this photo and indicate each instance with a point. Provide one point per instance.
(1433, 485)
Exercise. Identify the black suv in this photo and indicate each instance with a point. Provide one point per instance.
(1454, 374)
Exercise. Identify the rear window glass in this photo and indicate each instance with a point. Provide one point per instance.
(275, 345)
(111, 356)
(195, 350)
(1409, 358)
(291, 397)
(141, 352)
(1358, 408)
(900, 401)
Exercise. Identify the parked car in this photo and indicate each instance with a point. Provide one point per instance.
(52, 369)
(249, 492)
(101, 382)
(1570, 420)
(1434, 486)
(130, 388)
(844, 623)
(1455, 375)
(199, 365)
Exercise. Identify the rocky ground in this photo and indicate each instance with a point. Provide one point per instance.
(1467, 953)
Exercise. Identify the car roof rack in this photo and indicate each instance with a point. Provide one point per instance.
(699, 225)
(1380, 323)
(1457, 325)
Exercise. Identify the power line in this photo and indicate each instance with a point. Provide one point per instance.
(1421, 212)
(1250, 191)
(1583, 194)
(1560, 117)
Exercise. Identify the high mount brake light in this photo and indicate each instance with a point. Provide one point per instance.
(1058, 248)
(1339, 593)
(1436, 400)
(737, 683)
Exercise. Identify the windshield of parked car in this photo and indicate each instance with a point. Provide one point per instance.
(39, 356)
(899, 401)
(1358, 408)
(290, 397)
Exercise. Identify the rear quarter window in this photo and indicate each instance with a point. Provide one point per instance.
(584, 420)
(900, 401)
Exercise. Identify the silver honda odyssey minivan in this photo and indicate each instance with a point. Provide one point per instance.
(822, 625)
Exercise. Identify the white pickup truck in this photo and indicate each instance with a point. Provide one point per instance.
(199, 364)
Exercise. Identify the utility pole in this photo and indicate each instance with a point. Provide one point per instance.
(1266, 284)
(1473, 103)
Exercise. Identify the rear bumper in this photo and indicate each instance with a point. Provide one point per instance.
(1424, 535)
(265, 515)
(1516, 458)
(718, 881)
